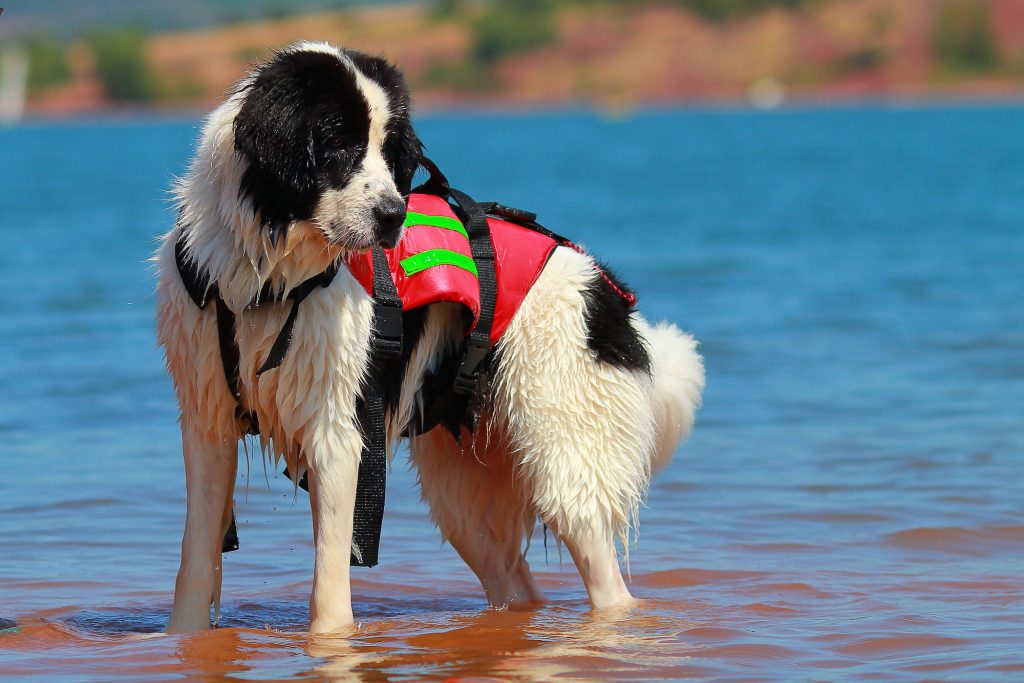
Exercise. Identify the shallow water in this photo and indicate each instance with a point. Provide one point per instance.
(849, 508)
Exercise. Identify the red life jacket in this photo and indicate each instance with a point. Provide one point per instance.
(432, 262)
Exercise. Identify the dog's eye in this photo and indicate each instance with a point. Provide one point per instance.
(334, 141)
(392, 152)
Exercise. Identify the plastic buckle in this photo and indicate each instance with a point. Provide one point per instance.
(387, 329)
(469, 369)
(513, 213)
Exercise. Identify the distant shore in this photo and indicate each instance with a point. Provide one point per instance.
(608, 57)
(808, 102)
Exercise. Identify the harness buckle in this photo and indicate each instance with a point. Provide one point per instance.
(511, 212)
(469, 370)
(387, 329)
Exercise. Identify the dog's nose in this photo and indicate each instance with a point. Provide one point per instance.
(390, 215)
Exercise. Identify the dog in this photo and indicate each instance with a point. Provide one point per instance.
(308, 160)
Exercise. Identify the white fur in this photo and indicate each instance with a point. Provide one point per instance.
(565, 438)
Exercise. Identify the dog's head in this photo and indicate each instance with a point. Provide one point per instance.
(325, 136)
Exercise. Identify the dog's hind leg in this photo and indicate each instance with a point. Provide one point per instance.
(481, 509)
(583, 429)
(210, 467)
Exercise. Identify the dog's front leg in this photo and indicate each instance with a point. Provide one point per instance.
(210, 467)
(317, 392)
(332, 496)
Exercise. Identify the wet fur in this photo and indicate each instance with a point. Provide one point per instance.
(587, 400)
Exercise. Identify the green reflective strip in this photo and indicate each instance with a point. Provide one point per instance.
(436, 257)
(413, 218)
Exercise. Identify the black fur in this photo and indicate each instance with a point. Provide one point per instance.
(610, 335)
(402, 149)
(303, 128)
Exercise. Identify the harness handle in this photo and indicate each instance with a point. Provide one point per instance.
(436, 184)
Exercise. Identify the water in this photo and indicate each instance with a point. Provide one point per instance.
(849, 508)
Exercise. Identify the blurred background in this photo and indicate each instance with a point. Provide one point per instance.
(67, 57)
(828, 194)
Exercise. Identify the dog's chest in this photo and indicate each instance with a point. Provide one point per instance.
(321, 373)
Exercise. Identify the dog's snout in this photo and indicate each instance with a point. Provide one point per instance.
(390, 215)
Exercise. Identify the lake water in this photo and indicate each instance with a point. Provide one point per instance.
(849, 507)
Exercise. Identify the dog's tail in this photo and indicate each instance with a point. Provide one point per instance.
(677, 371)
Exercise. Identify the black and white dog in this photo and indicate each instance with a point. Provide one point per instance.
(308, 159)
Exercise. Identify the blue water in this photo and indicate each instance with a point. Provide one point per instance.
(850, 505)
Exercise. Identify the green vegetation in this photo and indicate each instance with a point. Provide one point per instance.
(280, 9)
(177, 89)
(47, 64)
(503, 28)
(251, 55)
(728, 9)
(513, 26)
(121, 64)
(508, 27)
(962, 37)
(466, 75)
(450, 9)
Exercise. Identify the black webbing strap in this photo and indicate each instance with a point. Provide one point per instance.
(436, 184)
(201, 291)
(229, 353)
(387, 308)
(479, 341)
(372, 479)
(284, 338)
(196, 280)
(386, 346)
(229, 543)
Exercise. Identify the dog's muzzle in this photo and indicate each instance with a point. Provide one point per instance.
(389, 216)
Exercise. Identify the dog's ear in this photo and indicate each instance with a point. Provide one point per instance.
(274, 134)
(402, 148)
(406, 156)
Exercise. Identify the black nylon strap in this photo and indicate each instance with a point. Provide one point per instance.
(479, 341)
(196, 281)
(230, 541)
(284, 338)
(200, 290)
(229, 354)
(283, 342)
(437, 183)
(387, 308)
(229, 357)
(372, 479)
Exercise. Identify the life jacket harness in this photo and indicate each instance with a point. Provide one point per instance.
(485, 256)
